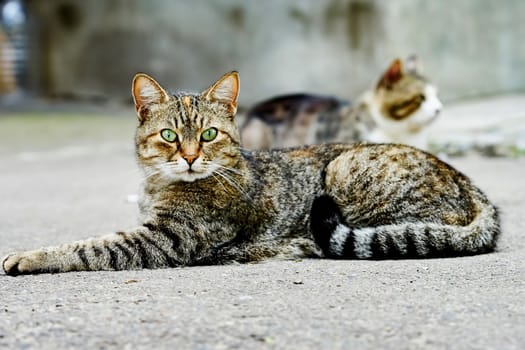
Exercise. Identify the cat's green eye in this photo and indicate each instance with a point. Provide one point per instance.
(168, 135)
(209, 134)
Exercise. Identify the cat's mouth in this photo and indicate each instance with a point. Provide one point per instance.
(183, 172)
(191, 175)
(195, 170)
(182, 175)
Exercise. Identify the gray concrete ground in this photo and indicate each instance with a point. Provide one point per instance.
(69, 177)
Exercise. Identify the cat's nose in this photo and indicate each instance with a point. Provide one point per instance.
(190, 158)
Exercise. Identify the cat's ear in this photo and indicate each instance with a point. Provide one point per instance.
(393, 74)
(147, 92)
(225, 90)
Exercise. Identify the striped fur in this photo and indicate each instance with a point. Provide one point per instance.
(404, 240)
(207, 201)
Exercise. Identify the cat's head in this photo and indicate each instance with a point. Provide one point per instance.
(185, 136)
(403, 95)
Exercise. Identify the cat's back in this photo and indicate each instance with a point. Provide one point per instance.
(292, 120)
(298, 158)
(362, 155)
(359, 168)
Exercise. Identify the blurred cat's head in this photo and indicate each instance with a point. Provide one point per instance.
(404, 96)
(186, 137)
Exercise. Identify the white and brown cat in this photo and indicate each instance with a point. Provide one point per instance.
(398, 109)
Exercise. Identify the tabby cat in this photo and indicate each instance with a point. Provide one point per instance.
(207, 201)
(398, 109)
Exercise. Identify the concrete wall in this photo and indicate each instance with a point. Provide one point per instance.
(93, 48)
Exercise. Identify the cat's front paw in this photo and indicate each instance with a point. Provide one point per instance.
(22, 263)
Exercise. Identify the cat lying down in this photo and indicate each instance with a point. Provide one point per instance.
(207, 201)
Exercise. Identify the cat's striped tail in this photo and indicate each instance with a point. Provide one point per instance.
(406, 240)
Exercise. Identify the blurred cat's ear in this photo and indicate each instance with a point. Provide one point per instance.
(393, 74)
(147, 92)
(413, 64)
(225, 90)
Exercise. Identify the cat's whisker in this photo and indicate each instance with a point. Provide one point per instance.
(230, 169)
(146, 172)
(169, 165)
(212, 166)
(219, 181)
(151, 174)
(229, 179)
(232, 181)
(158, 169)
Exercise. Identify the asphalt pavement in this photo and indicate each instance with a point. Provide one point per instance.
(71, 176)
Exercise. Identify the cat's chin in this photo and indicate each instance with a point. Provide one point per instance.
(188, 176)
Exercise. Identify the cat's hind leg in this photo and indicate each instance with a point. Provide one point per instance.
(272, 248)
(392, 201)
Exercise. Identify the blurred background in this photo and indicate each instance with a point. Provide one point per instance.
(57, 52)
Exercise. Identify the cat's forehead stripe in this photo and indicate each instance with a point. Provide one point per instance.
(187, 111)
(199, 118)
(184, 110)
(186, 100)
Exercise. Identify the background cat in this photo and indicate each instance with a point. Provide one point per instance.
(398, 109)
(293, 120)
